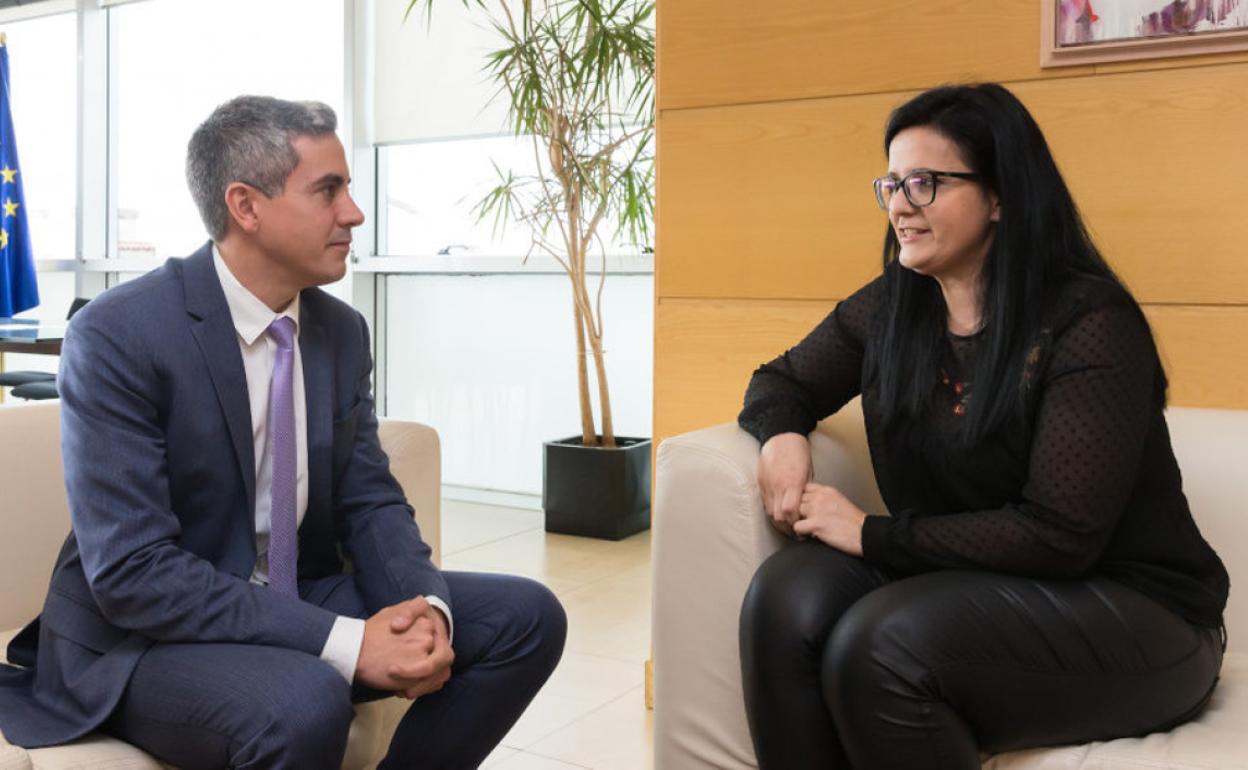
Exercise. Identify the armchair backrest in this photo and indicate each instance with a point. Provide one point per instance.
(35, 516)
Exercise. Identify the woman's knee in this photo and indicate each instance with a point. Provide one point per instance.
(876, 648)
(798, 594)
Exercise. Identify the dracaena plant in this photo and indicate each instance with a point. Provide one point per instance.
(577, 77)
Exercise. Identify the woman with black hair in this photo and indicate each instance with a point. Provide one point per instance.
(1040, 580)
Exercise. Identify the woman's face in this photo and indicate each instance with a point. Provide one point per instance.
(950, 237)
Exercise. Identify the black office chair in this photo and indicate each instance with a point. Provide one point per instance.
(17, 380)
(37, 391)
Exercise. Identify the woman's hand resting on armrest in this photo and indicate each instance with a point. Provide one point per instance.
(784, 469)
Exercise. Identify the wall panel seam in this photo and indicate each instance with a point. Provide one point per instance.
(756, 300)
(899, 91)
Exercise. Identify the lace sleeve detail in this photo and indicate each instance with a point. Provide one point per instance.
(1095, 407)
(814, 378)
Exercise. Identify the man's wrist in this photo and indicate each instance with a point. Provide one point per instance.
(343, 645)
(442, 607)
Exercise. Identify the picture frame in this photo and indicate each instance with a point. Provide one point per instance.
(1169, 33)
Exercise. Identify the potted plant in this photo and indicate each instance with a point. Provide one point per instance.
(578, 76)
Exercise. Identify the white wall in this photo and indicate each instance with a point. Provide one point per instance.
(489, 361)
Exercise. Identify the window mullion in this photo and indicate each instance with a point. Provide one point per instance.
(94, 140)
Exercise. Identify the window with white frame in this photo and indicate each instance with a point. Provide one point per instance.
(432, 193)
(176, 61)
(43, 82)
(432, 190)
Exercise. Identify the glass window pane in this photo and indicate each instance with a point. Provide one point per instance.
(176, 61)
(43, 81)
(433, 187)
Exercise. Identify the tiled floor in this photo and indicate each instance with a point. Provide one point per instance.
(591, 714)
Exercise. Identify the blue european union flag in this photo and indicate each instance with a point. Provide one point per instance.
(18, 288)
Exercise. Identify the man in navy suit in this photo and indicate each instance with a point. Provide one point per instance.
(243, 566)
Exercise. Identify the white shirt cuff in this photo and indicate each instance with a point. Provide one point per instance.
(342, 647)
(437, 603)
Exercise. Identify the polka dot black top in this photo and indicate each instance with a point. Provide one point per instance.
(1086, 483)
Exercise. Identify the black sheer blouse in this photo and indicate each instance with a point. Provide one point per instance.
(1086, 484)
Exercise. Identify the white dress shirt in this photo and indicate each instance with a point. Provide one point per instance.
(252, 319)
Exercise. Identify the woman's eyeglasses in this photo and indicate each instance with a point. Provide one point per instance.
(919, 187)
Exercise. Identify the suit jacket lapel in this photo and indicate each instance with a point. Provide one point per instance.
(318, 393)
(213, 329)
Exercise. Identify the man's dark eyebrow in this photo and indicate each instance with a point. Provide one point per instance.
(329, 180)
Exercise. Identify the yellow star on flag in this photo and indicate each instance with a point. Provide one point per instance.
(4, 239)
(10, 207)
(9, 174)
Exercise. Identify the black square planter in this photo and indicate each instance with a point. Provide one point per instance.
(596, 492)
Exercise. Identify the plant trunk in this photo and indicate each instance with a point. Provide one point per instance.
(604, 398)
(591, 330)
(589, 436)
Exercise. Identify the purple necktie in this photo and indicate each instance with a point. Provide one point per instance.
(283, 522)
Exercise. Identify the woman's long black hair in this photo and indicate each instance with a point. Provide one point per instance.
(1039, 245)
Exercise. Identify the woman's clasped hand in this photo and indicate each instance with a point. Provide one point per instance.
(799, 507)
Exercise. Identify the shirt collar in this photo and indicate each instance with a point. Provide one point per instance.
(250, 315)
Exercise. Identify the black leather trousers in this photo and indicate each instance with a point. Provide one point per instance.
(844, 667)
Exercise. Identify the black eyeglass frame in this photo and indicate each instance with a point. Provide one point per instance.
(878, 185)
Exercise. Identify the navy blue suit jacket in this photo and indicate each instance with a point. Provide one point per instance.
(160, 472)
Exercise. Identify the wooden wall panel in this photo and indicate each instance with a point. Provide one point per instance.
(707, 349)
(1142, 152)
(773, 200)
(715, 52)
(769, 131)
(1205, 352)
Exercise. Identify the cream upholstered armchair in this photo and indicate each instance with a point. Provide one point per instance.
(710, 535)
(36, 521)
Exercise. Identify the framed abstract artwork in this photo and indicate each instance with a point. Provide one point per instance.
(1095, 31)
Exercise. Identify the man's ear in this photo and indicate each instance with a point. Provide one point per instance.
(240, 202)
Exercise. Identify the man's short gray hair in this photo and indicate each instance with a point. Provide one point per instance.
(248, 139)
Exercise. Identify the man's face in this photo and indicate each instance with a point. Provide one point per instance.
(306, 230)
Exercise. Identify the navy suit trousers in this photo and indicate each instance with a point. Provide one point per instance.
(208, 705)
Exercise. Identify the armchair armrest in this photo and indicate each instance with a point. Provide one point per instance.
(36, 512)
(710, 535)
(416, 462)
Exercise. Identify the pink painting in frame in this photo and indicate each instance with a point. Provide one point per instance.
(1095, 31)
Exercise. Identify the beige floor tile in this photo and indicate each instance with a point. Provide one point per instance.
(580, 685)
(523, 760)
(618, 736)
(467, 525)
(498, 756)
(591, 713)
(560, 561)
(611, 617)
